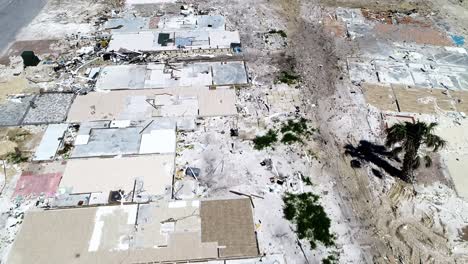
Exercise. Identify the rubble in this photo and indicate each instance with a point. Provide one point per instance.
(157, 106)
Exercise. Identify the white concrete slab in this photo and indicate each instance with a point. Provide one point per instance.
(158, 141)
(158, 76)
(176, 106)
(99, 198)
(146, 2)
(140, 41)
(180, 40)
(223, 39)
(102, 175)
(50, 142)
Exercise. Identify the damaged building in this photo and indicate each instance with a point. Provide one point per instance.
(175, 231)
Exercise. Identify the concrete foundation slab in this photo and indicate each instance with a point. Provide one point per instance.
(50, 142)
(34, 185)
(380, 96)
(228, 73)
(146, 104)
(12, 112)
(172, 75)
(121, 77)
(102, 175)
(137, 233)
(176, 40)
(158, 141)
(49, 108)
(109, 142)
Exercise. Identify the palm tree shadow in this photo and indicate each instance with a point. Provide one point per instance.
(366, 151)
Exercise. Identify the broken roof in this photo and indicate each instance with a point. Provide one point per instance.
(107, 138)
(137, 233)
(172, 23)
(147, 104)
(172, 75)
(148, 40)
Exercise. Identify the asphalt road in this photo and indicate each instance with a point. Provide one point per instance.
(14, 15)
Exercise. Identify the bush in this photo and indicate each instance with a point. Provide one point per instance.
(265, 141)
(16, 157)
(312, 223)
(331, 259)
(288, 78)
(290, 138)
(299, 127)
(280, 32)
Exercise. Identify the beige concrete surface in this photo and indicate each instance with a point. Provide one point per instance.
(107, 174)
(132, 104)
(380, 96)
(455, 154)
(53, 237)
(109, 234)
(422, 100)
(461, 100)
(230, 223)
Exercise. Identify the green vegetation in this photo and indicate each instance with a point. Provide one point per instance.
(299, 127)
(66, 149)
(312, 154)
(312, 223)
(16, 157)
(411, 136)
(265, 141)
(306, 180)
(290, 138)
(288, 78)
(292, 131)
(331, 259)
(18, 135)
(280, 32)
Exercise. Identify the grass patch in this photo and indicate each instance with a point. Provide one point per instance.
(279, 32)
(312, 223)
(265, 141)
(331, 259)
(293, 131)
(16, 157)
(66, 149)
(298, 127)
(306, 180)
(290, 138)
(288, 78)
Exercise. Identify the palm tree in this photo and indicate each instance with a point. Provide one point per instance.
(411, 136)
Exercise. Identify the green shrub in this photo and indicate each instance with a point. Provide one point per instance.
(331, 259)
(312, 223)
(280, 32)
(288, 78)
(265, 141)
(16, 157)
(306, 180)
(290, 138)
(298, 127)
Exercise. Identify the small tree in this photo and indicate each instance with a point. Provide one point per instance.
(411, 136)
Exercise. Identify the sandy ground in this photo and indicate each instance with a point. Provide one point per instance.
(375, 219)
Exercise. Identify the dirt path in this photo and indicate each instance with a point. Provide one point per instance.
(383, 234)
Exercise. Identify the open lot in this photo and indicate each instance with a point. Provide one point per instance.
(145, 121)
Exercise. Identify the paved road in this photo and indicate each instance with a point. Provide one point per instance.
(15, 14)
